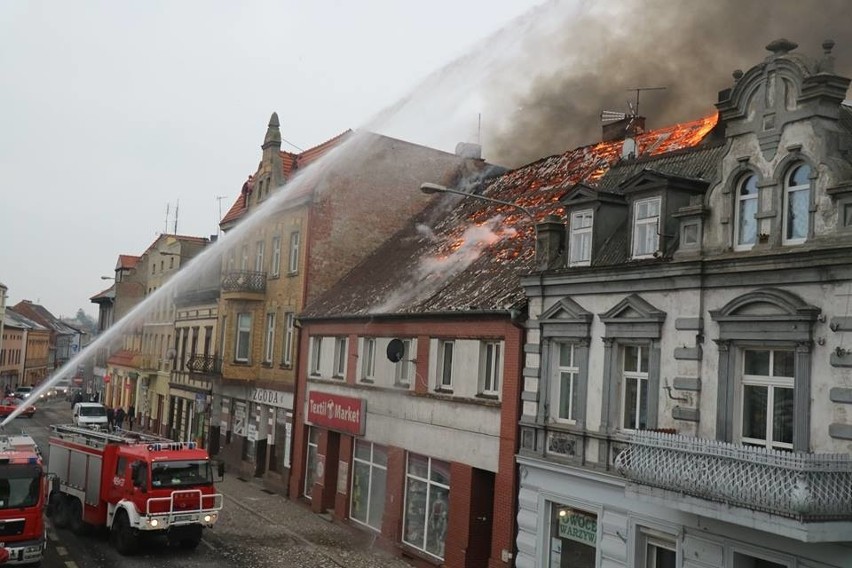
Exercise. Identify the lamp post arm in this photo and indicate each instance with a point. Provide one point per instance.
(434, 188)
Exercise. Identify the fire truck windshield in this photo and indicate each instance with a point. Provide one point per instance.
(19, 485)
(180, 473)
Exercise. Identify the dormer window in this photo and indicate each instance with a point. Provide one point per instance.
(646, 223)
(746, 223)
(581, 238)
(797, 202)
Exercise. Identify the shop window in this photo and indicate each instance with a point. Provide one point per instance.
(573, 538)
(311, 462)
(427, 499)
(369, 482)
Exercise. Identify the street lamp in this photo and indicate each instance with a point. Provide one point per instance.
(432, 188)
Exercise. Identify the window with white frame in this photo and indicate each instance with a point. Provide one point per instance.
(293, 266)
(445, 364)
(316, 353)
(243, 343)
(275, 269)
(797, 204)
(646, 227)
(403, 368)
(270, 338)
(580, 250)
(745, 226)
(311, 462)
(368, 359)
(258, 256)
(244, 257)
(750, 560)
(569, 374)
(767, 398)
(427, 504)
(369, 484)
(634, 400)
(490, 367)
(289, 331)
(339, 357)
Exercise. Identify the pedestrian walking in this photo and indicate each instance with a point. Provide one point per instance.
(119, 417)
(110, 418)
(131, 415)
(78, 397)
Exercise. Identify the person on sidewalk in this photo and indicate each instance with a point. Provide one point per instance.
(131, 415)
(119, 417)
(110, 417)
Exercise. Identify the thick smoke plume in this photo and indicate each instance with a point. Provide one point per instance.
(604, 49)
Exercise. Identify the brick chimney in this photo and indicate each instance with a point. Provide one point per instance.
(618, 130)
(549, 242)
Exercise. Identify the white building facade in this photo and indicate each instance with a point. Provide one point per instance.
(688, 375)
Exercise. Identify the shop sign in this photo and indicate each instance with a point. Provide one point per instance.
(240, 419)
(272, 398)
(579, 526)
(341, 413)
(252, 432)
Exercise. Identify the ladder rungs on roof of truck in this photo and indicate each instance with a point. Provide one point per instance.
(100, 438)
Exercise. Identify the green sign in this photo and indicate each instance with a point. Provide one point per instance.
(578, 526)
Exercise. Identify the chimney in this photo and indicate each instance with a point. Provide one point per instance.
(618, 130)
(549, 242)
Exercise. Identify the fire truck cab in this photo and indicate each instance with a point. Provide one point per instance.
(23, 490)
(132, 483)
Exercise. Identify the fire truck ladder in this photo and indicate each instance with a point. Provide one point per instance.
(100, 438)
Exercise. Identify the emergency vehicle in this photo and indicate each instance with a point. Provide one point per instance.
(23, 495)
(133, 484)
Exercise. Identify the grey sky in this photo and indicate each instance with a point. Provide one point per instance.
(110, 110)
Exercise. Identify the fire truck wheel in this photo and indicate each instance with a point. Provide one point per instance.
(60, 510)
(123, 536)
(75, 517)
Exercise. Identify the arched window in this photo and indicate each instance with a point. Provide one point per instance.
(746, 208)
(797, 202)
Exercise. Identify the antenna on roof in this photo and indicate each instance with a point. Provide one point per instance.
(166, 227)
(177, 208)
(219, 198)
(639, 90)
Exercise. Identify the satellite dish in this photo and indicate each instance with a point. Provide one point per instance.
(396, 350)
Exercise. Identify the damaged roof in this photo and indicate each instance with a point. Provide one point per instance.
(463, 255)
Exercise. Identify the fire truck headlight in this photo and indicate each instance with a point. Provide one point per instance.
(210, 518)
(154, 522)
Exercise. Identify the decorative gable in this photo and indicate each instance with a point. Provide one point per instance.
(633, 317)
(566, 318)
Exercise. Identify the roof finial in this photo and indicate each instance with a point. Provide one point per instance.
(781, 46)
(273, 133)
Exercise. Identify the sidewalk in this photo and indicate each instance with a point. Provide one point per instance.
(268, 528)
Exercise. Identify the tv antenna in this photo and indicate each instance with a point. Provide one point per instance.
(219, 198)
(635, 109)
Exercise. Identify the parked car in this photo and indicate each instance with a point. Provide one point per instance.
(90, 414)
(61, 387)
(9, 404)
(23, 392)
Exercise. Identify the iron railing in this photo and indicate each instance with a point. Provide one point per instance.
(204, 364)
(244, 281)
(807, 487)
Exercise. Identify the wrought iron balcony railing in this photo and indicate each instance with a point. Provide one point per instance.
(244, 281)
(204, 364)
(806, 487)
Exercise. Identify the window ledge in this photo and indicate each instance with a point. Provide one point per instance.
(444, 390)
(266, 364)
(285, 366)
(401, 385)
(366, 381)
(488, 396)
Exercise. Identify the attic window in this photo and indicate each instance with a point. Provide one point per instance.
(581, 238)
(646, 222)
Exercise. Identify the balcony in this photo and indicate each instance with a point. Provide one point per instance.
(812, 493)
(244, 285)
(204, 365)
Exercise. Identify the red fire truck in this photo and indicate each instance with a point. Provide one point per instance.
(133, 484)
(23, 490)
